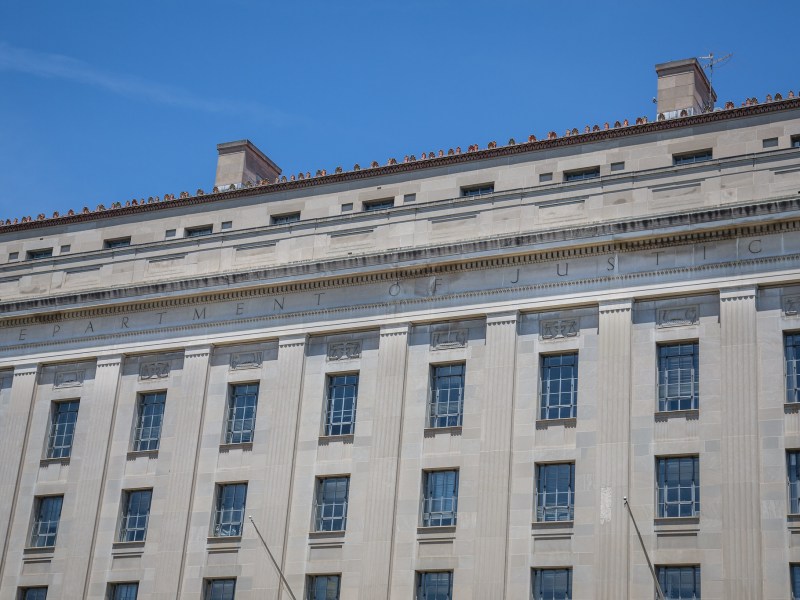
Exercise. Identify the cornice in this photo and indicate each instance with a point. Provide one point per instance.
(437, 162)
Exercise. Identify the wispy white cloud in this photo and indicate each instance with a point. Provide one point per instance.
(58, 66)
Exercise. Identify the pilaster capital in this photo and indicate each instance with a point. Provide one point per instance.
(395, 329)
(738, 292)
(26, 369)
(113, 360)
(616, 306)
(197, 351)
(289, 341)
(509, 317)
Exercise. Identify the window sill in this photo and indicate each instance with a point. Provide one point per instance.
(236, 446)
(347, 438)
(325, 535)
(134, 454)
(567, 422)
(664, 415)
(434, 431)
(226, 542)
(436, 533)
(46, 462)
(794, 520)
(326, 539)
(547, 525)
(791, 407)
(125, 548)
(42, 551)
(665, 524)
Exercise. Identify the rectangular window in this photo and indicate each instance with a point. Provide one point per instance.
(691, 157)
(793, 480)
(794, 574)
(33, 593)
(581, 174)
(149, 417)
(198, 231)
(241, 415)
(46, 514)
(617, 166)
(439, 498)
(552, 584)
(37, 254)
(379, 204)
(559, 386)
(447, 396)
(63, 417)
(477, 190)
(437, 585)
(323, 587)
(795, 140)
(678, 486)
(117, 243)
(285, 219)
(680, 583)
(791, 344)
(340, 415)
(769, 143)
(330, 510)
(135, 515)
(555, 492)
(229, 514)
(678, 376)
(220, 589)
(123, 591)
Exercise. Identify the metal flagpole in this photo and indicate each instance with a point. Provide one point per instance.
(641, 541)
(272, 558)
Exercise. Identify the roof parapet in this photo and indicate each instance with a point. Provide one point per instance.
(240, 162)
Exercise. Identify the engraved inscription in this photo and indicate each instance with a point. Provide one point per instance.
(677, 317)
(344, 350)
(444, 340)
(246, 360)
(791, 306)
(154, 370)
(70, 378)
(558, 328)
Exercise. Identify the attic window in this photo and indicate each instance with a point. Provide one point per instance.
(477, 190)
(379, 204)
(795, 141)
(691, 157)
(37, 254)
(285, 219)
(116, 243)
(581, 174)
(199, 231)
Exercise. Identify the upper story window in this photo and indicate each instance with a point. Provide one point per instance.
(794, 574)
(680, 583)
(41, 253)
(241, 414)
(198, 231)
(46, 515)
(791, 345)
(435, 585)
(33, 593)
(795, 140)
(229, 514)
(477, 190)
(123, 591)
(689, 158)
(678, 376)
(559, 386)
(63, 416)
(678, 486)
(117, 243)
(135, 515)
(581, 174)
(330, 511)
(323, 587)
(552, 584)
(149, 417)
(340, 414)
(447, 396)
(555, 492)
(285, 219)
(219, 589)
(439, 498)
(379, 204)
(793, 480)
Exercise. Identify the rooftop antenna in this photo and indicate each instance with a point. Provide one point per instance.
(710, 61)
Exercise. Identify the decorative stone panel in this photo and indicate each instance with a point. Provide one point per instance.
(246, 360)
(677, 316)
(791, 306)
(446, 340)
(344, 350)
(554, 329)
(69, 378)
(153, 370)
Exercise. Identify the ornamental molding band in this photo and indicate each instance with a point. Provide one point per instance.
(447, 340)
(554, 329)
(791, 306)
(246, 360)
(69, 378)
(677, 316)
(344, 350)
(153, 370)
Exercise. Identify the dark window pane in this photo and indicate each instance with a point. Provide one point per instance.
(45, 521)
(62, 429)
(340, 416)
(220, 589)
(678, 377)
(678, 486)
(135, 516)
(792, 354)
(241, 417)
(229, 514)
(440, 500)
(555, 492)
(323, 587)
(149, 417)
(435, 586)
(680, 583)
(558, 393)
(331, 504)
(447, 396)
(125, 591)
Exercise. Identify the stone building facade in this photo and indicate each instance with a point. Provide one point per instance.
(436, 378)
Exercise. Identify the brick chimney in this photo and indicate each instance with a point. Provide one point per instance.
(240, 162)
(683, 85)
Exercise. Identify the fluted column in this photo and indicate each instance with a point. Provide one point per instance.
(741, 535)
(491, 548)
(384, 462)
(613, 445)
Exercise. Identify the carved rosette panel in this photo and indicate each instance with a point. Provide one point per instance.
(556, 329)
(446, 340)
(246, 360)
(678, 316)
(791, 306)
(344, 350)
(69, 378)
(153, 370)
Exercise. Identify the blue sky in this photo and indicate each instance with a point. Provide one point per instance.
(109, 101)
